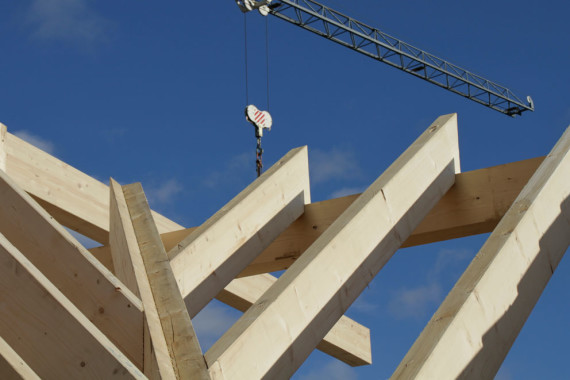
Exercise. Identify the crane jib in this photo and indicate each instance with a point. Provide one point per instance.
(346, 31)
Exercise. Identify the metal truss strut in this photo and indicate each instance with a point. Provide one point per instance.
(375, 44)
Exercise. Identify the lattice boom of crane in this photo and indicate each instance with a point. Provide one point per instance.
(124, 309)
(346, 31)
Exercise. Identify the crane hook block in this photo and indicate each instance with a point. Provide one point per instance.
(250, 5)
(260, 119)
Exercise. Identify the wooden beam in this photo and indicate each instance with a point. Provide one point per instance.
(76, 200)
(175, 343)
(473, 205)
(212, 256)
(292, 317)
(3, 131)
(71, 268)
(347, 340)
(47, 179)
(12, 366)
(122, 239)
(472, 331)
(47, 331)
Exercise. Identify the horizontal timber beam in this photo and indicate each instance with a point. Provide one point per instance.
(52, 336)
(473, 205)
(291, 318)
(471, 333)
(214, 254)
(81, 203)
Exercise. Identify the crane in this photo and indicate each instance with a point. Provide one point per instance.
(355, 35)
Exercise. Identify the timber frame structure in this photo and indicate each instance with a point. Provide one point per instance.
(124, 309)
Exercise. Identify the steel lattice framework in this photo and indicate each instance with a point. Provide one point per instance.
(375, 44)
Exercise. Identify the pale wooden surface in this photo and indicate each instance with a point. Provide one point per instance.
(77, 200)
(12, 366)
(169, 324)
(122, 239)
(472, 331)
(292, 317)
(3, 131)
(214, 254)
(473, 205)
(47, 331)
(347, 340)
(85, 281)
(45, 174)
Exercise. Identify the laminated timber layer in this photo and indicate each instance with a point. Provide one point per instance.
(125, 309)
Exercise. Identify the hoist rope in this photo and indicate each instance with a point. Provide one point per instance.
(267, 56)
(245, 55)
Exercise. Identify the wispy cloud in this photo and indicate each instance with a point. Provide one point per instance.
(333, 164)
(66, 20)
(165, 192)
(37, 141)
(332, 370)
(233, 171)
(214, 320)
(414, 302)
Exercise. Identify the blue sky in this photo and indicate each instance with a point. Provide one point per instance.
(154, 92)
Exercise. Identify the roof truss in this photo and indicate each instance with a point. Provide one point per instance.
(123, 301)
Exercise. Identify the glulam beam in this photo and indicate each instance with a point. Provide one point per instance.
(291, 318)
(473, 205)
(75, 199)
(50, 182)
(471, 333)
(114, 309)
(53, 337)
(12, 366)
(174, 340)
(214, 254)
(347, 340)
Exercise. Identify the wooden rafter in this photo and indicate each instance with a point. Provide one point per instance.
(291, 318)
(47, 331)
(214, 254)
(347, 340)
(94, 290)
(474, 205)
(176, 346)
(54, 183)
(472, 331)
(12, 366)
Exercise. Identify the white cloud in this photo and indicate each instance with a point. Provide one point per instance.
(332, 370)
(333, 164)
(68, 20)
(214, 320)
(45, 145)
(362, 305)
(165, 192)
(347, 191)
(234, 169)
(414, 302)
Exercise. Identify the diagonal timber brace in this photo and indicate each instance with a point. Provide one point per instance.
(290, 319)
(82, 203)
